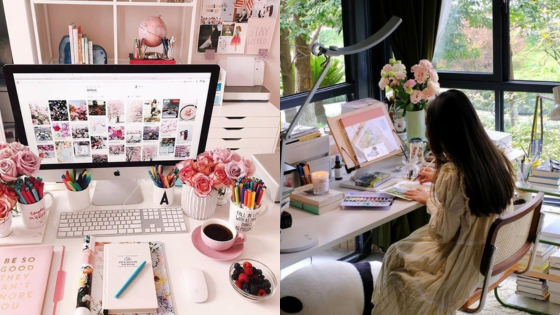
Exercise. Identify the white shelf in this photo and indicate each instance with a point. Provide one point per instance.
(54, 61)
(117, 3)
(184, 31)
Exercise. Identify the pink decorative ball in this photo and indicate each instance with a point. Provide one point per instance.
(152, 30)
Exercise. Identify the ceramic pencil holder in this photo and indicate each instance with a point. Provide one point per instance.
(163, 196)
(243, 218)
(35, 215)
(78, 200)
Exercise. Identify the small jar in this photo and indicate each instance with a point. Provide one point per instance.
(410, 170)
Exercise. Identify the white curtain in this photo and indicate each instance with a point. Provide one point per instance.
(443, 16)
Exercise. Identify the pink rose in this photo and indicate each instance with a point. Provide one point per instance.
(16, 146)
(421, 75)
(220, 155)
(415, 97)
(184, 163)
(6, 205)
(409, 84)
(428, 94)
(8, 170)
(202, 185)
(434, 75)
(426, 64)
(204, 165)
(233, 156)
(250, 166)
(204, 154)
(27, 162)
(3, 145)
(236, 169)
(8, 191)
(186, 173)
(383, 83)
(219, 176)
(7, 153)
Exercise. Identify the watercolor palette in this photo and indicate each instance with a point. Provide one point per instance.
(368, 200)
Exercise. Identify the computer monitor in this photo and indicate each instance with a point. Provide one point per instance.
(115, 120)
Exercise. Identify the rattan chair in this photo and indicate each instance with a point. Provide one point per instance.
(509, 239)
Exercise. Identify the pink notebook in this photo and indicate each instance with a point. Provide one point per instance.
(24, 273)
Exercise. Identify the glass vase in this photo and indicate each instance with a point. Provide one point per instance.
(222, 193)
(196, 207)
(6, 225)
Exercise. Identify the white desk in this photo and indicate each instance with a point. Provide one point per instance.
(338, 226)
(262, 244)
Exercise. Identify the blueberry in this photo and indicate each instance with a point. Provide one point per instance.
(246, 290)
(236, 266)
(267, 284)
(267, 291)
(235, 275)
(257, 271)
(245, 285)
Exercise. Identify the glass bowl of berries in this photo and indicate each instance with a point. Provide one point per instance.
(252, 280)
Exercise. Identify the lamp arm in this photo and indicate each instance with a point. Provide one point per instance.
(371, 41)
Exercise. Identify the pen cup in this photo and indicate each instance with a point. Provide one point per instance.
(78, 200)
(163, 196)
(35, 215)
(243, 218)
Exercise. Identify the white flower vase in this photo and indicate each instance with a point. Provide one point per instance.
(6, 225)
(196, 207)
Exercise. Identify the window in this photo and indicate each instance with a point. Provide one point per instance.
(303, 24)
(484, 103)
(317, 113)
(465, 41)
(519, 109)
(535, 37)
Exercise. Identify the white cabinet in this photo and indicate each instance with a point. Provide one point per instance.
(249, 128)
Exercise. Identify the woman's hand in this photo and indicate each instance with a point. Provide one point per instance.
(418, 194)
(427, 175)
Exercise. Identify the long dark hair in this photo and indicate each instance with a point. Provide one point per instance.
(456, 135)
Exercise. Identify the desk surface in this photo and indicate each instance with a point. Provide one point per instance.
(337, 226)
(262, 244)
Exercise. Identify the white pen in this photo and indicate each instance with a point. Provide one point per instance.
(424, 169)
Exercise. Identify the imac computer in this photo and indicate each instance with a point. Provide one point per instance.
(116, 121)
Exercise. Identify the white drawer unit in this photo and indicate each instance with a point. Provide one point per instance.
(248, 128)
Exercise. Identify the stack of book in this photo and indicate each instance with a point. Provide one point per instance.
(535, 287)
(285, 203)
(303, 198)
(81, 48)
(502, 140)
(554, 270)
(302, 133)
(545, 176)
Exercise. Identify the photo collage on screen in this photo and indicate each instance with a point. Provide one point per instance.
(100, 131)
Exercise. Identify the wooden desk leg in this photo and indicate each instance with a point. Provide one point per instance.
(363, 248)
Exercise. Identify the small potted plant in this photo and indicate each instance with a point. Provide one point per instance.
(207, 179)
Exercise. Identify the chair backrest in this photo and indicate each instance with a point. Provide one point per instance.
(512, 236)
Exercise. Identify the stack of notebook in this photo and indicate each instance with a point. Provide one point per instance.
(303, 198)
(302, 133)
(285, 203)
(554, 270)
(535, 287)
(545, 176)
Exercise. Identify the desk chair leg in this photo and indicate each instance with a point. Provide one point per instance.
(515, 307)
(363, 248)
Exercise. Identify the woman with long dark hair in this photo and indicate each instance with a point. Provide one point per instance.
(436, 268)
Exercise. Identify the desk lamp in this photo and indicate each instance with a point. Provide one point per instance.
(294, 240)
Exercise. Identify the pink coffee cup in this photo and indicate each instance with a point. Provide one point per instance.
(220, 235)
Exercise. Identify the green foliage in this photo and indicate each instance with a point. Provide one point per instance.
(304, 17)
(334, 75)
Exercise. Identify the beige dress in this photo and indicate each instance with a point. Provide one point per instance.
(436, 268)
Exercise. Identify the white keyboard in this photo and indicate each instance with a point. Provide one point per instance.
(121, 222)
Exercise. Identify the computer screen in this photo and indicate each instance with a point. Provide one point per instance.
(99, 116)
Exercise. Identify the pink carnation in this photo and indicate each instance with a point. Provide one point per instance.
(415, 97)
(383, 83)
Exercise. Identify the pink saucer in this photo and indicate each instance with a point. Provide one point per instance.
(232, 253)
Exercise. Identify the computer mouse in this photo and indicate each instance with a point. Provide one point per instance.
(196, 284)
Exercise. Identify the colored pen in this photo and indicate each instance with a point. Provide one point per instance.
(129, 281)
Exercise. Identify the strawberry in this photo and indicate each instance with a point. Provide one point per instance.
(261, 292)
(238, 284)
(247, 265)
